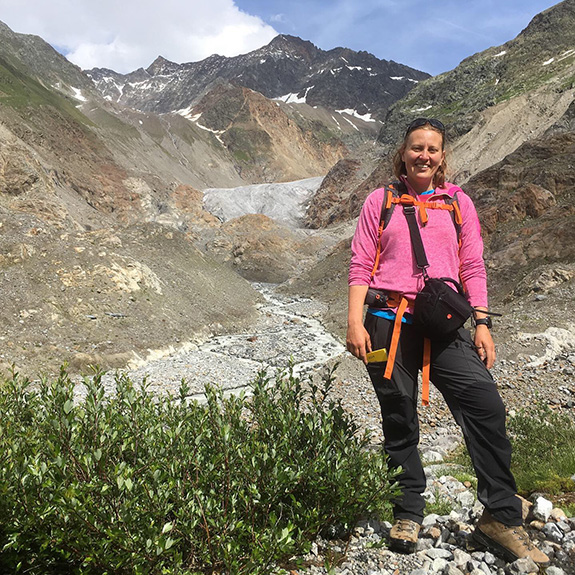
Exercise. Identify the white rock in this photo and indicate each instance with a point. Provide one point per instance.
(542, 508)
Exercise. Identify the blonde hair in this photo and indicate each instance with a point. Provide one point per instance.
(399, 165)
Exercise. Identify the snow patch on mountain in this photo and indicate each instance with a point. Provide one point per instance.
(78, 94)
(284, 202)
(365, 117)
(294, 98)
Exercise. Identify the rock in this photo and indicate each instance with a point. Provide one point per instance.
(542, 509)
(552, 532)
(439, 553)
(557, 515)
(523, 566)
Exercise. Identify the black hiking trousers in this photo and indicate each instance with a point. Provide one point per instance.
(472, 396)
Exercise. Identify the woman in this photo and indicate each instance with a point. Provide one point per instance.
(458, 365)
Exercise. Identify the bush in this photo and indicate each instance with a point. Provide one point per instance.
(135, 483)
(543, 458)
(543, 450)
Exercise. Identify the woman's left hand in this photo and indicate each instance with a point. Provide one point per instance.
(485, 345)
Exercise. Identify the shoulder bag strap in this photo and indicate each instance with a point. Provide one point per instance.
(416, 241)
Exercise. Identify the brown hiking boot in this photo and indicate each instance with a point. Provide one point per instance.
(403, 535)
(509, 541)
(526, 507)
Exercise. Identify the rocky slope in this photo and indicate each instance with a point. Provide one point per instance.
(85, 274)
(108, 296)
(526, 204)
(267, 146)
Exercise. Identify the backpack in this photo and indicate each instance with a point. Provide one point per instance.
(396, 193)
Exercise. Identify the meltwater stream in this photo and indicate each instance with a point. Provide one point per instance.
(287, 330)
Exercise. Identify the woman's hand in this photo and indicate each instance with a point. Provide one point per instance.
(357, 340)
(485, 345)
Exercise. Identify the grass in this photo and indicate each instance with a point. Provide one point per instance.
(18, 90)
(543, 450)
(543, 458)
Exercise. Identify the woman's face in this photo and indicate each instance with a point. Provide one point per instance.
(422, 156)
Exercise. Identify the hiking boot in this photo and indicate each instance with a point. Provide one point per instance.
(403, 535)
(526, 507)
(511, 542)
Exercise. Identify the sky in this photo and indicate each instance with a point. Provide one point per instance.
(124, 35)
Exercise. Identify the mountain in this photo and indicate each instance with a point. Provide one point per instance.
(284, 112)
(288, 69)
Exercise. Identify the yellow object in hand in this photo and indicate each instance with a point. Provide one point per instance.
(377, 355)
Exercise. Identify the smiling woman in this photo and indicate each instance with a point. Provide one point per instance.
(437, 237)
(422, 156)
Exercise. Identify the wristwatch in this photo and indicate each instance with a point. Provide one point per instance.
(484, 321)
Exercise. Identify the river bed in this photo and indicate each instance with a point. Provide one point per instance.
(288, 330)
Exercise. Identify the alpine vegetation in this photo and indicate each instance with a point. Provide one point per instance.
(135, 483)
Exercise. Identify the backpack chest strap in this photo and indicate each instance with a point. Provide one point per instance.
(422, 206)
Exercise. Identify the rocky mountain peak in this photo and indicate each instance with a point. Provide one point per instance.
(34, 56)
(162, 67)
(552, 22)
(284, 44)
(288, 68)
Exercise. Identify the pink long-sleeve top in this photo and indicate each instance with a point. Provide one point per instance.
(397, 270)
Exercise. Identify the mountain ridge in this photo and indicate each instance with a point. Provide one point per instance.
(287, 65)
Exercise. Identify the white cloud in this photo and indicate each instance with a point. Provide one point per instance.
(128, 34)
(278, 18)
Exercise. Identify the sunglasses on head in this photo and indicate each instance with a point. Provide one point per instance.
(419, 122)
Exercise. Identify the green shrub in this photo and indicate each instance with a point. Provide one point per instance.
(543, 450)
(543, 457)
(129, 482)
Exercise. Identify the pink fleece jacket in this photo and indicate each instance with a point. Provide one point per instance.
(398, 269)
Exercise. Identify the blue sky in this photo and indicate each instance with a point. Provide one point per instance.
(128, 34)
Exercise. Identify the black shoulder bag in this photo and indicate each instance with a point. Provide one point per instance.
(439, 310)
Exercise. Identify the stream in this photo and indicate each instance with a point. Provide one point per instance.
(288, 330)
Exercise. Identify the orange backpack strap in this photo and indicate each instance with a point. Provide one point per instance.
(425, 371)
(387, 206)
(392, 352)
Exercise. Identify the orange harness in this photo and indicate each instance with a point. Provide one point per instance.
(396, 299)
